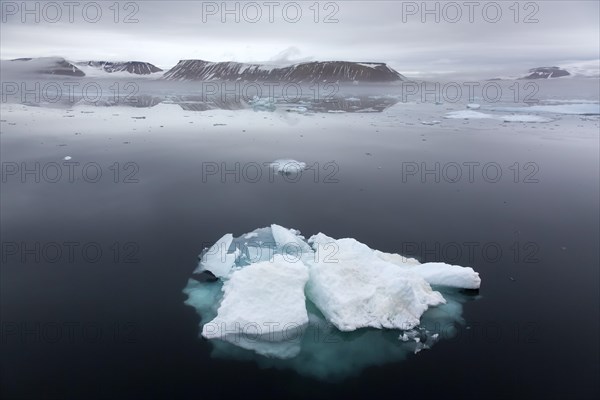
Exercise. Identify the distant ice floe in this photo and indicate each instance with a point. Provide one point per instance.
(524, 118)
(311, 304)
(522, 114)
(288, 166)
(570, 109)
(469, 114)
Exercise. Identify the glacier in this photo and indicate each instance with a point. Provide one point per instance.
(325, 307)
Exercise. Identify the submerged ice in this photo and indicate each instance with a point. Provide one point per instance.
(291, 302)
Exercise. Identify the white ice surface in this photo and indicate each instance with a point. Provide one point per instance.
(572, 109)
(362, 290)
(524, 118)
(265, 301)
(217, 259)
(436, 273)
(467, 114)
(288, 166)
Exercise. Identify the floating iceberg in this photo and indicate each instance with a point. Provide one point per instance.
(288, 166)
(290, 302)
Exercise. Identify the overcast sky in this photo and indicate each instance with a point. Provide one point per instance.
(386, 31)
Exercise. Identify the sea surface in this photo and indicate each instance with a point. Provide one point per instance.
(96, 249)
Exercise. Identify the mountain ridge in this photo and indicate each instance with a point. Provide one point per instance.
(306, 72)
(133, 67)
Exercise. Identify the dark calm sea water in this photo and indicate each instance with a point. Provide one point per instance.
(114, 325)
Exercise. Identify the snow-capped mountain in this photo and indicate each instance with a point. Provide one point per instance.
(330, 71)
(42, 65)
(133, 67)
(546, 73)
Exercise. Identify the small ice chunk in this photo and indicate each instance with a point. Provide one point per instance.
(298, 109)
(67, 158)
(473, 106)
(431, 122)
(289, 242)
(288, 166)
(262, 104)
(217, 259)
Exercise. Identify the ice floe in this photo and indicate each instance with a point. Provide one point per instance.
(311, 304)
(569, 109)
(467, 114)
(288, 166)
(524, 118)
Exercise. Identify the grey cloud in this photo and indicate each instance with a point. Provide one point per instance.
(366, 31)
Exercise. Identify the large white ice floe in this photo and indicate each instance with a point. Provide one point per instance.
(290, 302)
(264, 300)
(362, 290)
